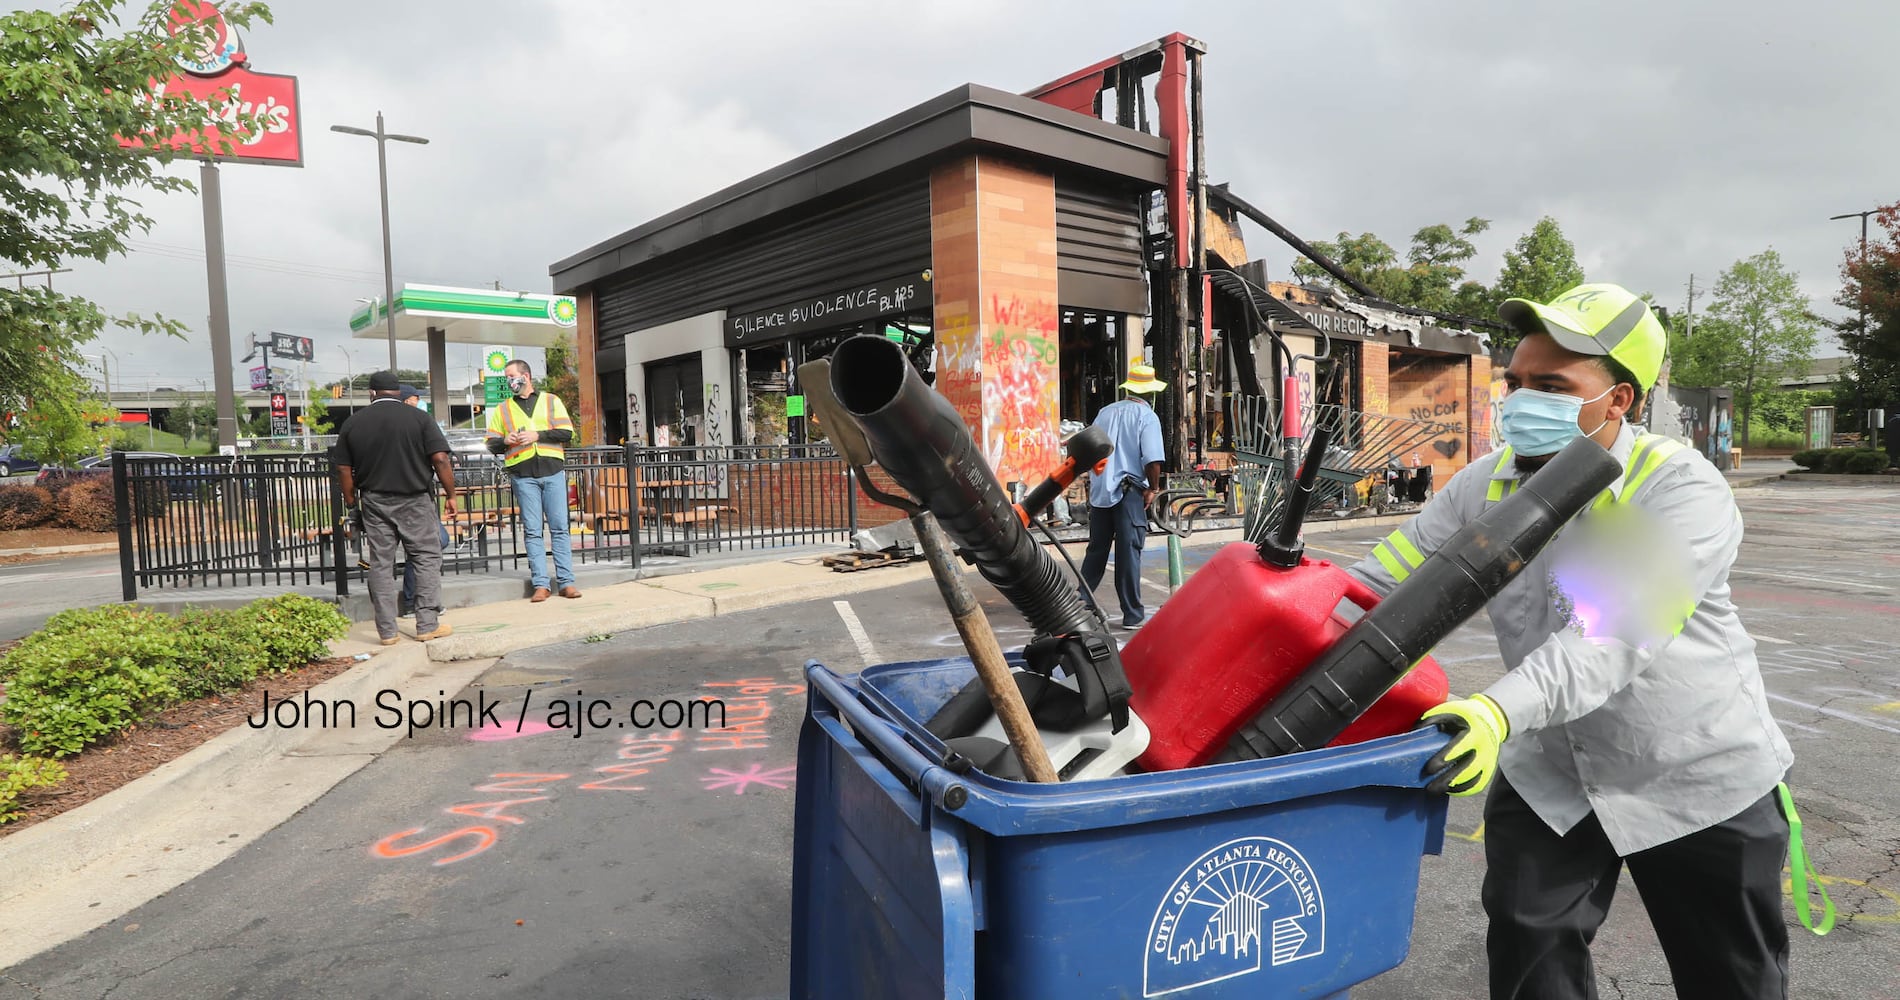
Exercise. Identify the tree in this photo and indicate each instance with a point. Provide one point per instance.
(559, 376)
(72, 89)
(195, 418)
(316, 412)
(1437, 259)
(1430, 277)
(1758, 330)
(1541, 264)
(360, 382)
(1872, 283)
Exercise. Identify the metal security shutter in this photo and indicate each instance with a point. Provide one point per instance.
(882, 234)
(1098, 248)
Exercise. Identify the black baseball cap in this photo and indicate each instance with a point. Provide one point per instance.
(384, 382)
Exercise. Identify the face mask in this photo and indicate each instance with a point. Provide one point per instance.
(516, 383)
(1540, 423)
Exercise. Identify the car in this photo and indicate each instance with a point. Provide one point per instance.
(13, 459)
(188, 482)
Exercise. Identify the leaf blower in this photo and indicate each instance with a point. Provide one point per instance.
(921, 442)
(1266, 652)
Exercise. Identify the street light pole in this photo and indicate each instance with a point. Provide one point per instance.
(382, 177)
(1860, 398)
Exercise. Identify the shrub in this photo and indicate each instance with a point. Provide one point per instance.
(24, 507)
(291, 630)
(74, 688)
(1866, 462)
(17, 774)
(1810, 458)
(1836, 461)
(86, 505)
(92, 672)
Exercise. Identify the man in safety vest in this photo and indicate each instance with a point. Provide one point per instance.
(531, 430)
(1633, 726)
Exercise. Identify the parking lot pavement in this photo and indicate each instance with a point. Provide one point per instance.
(656, 863)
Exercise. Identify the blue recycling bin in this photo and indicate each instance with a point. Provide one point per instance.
(1288, 877)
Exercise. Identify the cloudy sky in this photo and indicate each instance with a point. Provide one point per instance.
(1667, 138)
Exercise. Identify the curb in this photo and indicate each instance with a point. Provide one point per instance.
(62, 550)
(93, 864)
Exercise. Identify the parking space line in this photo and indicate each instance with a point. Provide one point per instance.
(866, 651)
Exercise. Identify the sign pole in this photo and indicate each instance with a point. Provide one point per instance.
(220, 307)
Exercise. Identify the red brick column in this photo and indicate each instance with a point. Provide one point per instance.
(993, 263)
(1374, 390)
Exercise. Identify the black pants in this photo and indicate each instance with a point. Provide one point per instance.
(1123, 527)
(1714, 897)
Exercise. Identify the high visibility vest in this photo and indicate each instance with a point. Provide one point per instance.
(1648, 455)
(1401, 557)
(509, 417)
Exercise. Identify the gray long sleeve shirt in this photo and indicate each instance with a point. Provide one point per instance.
(1660, 732)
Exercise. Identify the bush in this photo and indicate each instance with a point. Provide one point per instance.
(1866, 462)
(91, 673)
(216, 654)
(86, 505)
(291, 630)
(24, 507)
(1811, 458)
(75, 688)
(17, 774)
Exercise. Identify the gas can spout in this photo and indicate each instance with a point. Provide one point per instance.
(1284, 547)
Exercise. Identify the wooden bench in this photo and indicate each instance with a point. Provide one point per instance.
(699, 515)
(606, 505)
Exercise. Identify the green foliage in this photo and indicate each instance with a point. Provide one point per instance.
(1541, 264)
(86, 504)
(1430, 278)
(1758, 331)
(17, 774)
(194, 420)
(1810, 458)
(561, 379)
(1784, 410)
(316, 412)
(91, 673)
(80, 686)
(1865, 461)
(74, 83)
(63, 425)
(23, 507)
(1872, 283)
(291, 630)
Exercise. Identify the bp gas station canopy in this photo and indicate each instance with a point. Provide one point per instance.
(469, 316)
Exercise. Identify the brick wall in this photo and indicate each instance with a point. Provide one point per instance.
(1478, 381)
(993, 262)
(1434, 388)
(1374, 390)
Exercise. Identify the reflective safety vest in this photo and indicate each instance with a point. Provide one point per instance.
(1401, 557)
(1648, 455)
(509, 417)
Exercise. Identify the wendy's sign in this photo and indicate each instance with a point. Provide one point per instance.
(256, 113)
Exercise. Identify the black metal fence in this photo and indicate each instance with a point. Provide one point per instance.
(275, 520)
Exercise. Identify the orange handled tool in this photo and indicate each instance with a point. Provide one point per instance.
(1088, 450)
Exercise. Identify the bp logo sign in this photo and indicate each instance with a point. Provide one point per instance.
(495, 362)
(562, 310)
(1241, 907)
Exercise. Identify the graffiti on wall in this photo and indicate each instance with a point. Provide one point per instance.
(1019, 394)
(636, 422)
(960, 366)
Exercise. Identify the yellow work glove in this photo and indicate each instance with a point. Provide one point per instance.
(1478, 728)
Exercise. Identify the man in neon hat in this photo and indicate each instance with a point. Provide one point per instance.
(1120, 495)
(1632, 727)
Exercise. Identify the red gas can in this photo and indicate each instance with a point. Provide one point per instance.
(1237, 632)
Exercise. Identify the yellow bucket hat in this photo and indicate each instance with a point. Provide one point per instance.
(1141, 378)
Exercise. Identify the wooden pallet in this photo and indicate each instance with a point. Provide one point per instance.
(852, 562)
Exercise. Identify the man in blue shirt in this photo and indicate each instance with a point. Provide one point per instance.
(1120, 495)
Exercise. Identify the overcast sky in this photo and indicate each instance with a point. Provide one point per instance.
(1667, 138)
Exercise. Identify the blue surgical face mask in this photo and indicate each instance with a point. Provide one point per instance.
(1536, 423)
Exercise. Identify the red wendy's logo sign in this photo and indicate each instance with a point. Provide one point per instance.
(220, 49)
(258, 111)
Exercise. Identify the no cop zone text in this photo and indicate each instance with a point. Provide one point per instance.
(579, 713)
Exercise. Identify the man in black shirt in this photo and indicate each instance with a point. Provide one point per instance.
(384, 456)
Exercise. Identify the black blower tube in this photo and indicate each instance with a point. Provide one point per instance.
(921, 441)
(1454, 582)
